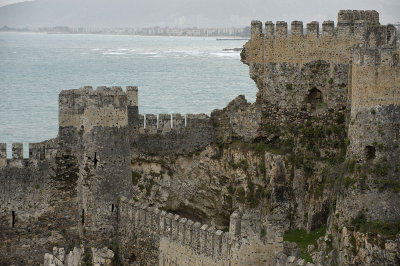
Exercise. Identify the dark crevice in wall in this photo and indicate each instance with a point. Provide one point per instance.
(13, 218)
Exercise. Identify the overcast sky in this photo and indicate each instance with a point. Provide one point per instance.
(184, 13)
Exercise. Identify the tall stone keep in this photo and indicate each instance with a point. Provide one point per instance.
(93, 127)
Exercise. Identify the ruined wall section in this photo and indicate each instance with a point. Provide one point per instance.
(152, 236)
(174, 134)
(37, 199)
(238, 120)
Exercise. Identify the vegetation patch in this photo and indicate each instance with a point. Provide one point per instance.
(304, 239)
(289, 86)
(136, 176)
(384, 228)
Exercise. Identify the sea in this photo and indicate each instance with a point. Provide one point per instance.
(174, 75)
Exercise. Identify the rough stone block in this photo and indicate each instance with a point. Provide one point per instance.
(132, 95)
(217, 244)
(35, 151)
(269, 29)
(168, 225)
(141, 124)
(196, 237)
(156, 220)
(189, 232)
(164, 123)
(210, 241)
(151, 123)
(149, 217)
(204, 239)
(256, 28)
(178, 122)
(162, 226)
(225, 245)
(3, 151)
(182, 231)
(297, 27)
(313, 28)
(175, 227)
(281, 28)
(17, 150)
(328, 27)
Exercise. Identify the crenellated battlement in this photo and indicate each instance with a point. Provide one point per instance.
(192, 237)
(37, 151)
(85, 108)
(203, 239)
(180, 241)
(281, 29)
(166, 123)
(351, 16)
(276, 43)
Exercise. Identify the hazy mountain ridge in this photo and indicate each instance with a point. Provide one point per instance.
(141, 13)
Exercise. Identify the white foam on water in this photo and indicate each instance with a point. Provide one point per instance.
(228, 54)
(148, 53)
(113, 53)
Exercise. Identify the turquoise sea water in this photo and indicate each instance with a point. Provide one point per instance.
(174, 75)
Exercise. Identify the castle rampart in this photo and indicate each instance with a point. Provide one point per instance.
(290, 62)
(181, 241)
(37, 151)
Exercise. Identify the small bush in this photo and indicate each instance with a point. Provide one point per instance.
(330, 81)
(136, 176)
(289, 86)
(348, 181)
(381, 169)
(263, 233)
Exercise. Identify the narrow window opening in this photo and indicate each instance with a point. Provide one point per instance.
(83, 216)
(370, 152)
(389, 36)
(95, 159)
(13, 218)
(112, 207)
(314, 98)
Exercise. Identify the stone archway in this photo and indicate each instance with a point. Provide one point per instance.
(314, 97)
